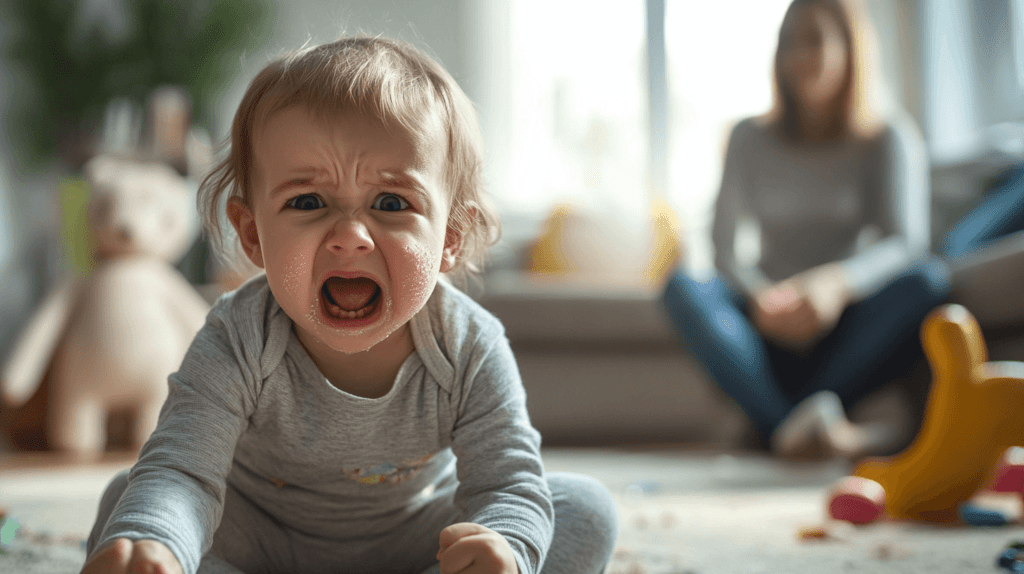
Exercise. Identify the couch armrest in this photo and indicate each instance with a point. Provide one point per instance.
(990, 282)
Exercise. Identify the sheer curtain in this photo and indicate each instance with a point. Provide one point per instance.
(719, 69)
(973, 78)
(577, 105)
(571, 112)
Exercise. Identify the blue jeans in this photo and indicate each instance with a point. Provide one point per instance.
(874, 341)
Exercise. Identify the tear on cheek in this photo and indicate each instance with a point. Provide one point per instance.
(420, 270)
(293, 274)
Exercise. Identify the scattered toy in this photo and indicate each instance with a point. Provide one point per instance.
(812, 533)
(1010, 475)
(971, 420)
(1007, 558)
(106, 341)
(977, 516)
(8, 529)
(857, 500)
(1012, 558)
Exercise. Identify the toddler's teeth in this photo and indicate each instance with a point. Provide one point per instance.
(342, 313)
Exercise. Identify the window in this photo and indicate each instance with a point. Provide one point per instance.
(578, 106)
(719, 62)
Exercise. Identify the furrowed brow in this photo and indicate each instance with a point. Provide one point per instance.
(299, 181)
(401, 180)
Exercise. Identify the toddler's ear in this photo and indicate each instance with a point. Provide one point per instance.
(452, 247)
(245, 226)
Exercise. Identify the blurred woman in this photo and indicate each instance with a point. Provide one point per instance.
(839, 194)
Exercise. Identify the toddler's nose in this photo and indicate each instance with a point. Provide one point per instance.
(350, 235)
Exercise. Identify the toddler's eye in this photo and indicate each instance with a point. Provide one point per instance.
(305, 202)
(390, 202)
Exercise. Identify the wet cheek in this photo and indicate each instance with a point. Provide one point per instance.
(419, 271)
(295, 275)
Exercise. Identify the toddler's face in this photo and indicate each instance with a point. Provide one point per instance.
(349, 219)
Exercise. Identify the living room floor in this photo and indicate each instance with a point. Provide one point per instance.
(682, 510)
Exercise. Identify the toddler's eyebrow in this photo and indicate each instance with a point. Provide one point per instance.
(404, 180)
(292, 182)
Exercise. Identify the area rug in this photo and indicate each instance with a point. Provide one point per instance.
(680, 512)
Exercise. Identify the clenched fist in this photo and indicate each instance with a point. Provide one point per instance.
(468, 548)
(139, 557)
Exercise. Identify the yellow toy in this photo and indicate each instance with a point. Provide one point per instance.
(575, 242)
(973, 416)
(546, 256)
(667, 249)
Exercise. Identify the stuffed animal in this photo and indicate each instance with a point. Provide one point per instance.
(108, 340)
(972, 421)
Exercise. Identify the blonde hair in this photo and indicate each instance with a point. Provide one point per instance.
(387, 79)
(859, 105)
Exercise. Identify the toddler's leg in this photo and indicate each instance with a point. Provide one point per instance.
(210, 564)
(586, 525)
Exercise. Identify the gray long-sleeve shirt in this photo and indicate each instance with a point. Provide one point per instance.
(250, 408)
(865, 204)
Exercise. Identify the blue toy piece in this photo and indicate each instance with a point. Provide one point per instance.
(976, 516)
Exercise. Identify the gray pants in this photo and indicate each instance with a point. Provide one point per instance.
(249, 541)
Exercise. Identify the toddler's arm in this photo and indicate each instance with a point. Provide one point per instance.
(501, 476)
(176, 489)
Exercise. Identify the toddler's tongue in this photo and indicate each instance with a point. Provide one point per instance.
(350, 294)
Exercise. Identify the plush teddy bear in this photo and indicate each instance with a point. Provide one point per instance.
(108, 340)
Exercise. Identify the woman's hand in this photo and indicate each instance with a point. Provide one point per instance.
(827, 293)
(782, 313)
(126, 557)
(468, 548)
(803, 308)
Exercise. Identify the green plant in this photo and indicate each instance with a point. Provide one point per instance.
(68, 70)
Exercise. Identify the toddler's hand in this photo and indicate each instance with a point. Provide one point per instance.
(139, 557)
(468, 548)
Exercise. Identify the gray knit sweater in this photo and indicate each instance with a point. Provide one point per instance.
(249, 407)
(865, 204)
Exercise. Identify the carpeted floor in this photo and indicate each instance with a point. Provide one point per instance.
(681, 511)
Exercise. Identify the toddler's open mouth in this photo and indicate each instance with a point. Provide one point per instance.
(347, 299)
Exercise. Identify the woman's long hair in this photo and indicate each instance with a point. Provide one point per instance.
(859, 100)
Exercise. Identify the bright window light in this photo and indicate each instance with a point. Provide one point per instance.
(719, 60)
(578, 102)
(578, 106)
(1017, 30)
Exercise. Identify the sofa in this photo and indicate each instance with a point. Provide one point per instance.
(601, 366)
